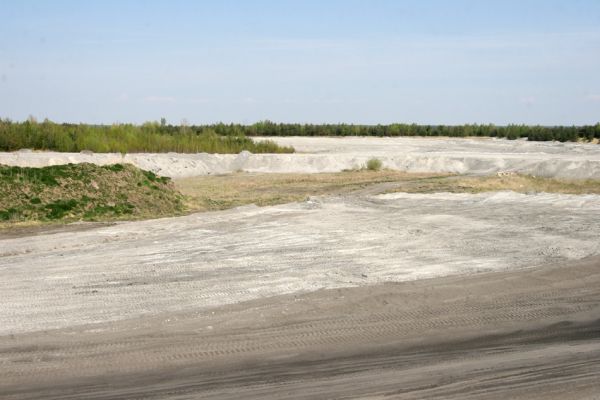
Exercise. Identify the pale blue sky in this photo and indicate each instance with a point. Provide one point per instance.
(450, 62)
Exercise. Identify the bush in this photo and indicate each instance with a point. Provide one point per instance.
(374, 164)
(60, 208)
(114, 167)
(128, 138)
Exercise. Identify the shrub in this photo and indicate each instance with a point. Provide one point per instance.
(59, 208)
(374, 164)
(5, 215)
(114, 167)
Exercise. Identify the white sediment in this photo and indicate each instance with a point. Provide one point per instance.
(316, 154)
(204, 260)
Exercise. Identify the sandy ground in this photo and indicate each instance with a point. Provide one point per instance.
(204, 260)
(475, 156)
(449, 296)
(363, 295)
(484, 145)
(531, 333)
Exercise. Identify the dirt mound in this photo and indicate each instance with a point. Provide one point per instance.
(84, 192)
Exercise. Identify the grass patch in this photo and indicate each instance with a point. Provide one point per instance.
(85, 192)
(59, 208)
(114, 167)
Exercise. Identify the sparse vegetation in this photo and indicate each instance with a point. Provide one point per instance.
(226, 191)
(84, 192)
(204, 193)
(98, 193)
(515, 182)
(127, 138)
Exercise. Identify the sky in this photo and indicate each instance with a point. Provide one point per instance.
(322, 61)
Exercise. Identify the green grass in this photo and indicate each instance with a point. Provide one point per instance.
(84, 192)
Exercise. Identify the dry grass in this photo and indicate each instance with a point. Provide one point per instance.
(225, 191)
(517, 183)
(206, 193)
(150, 197)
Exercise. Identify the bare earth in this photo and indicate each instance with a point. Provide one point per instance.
(132, 269)
(298, 301)
(532, 333)
(394, 290)
(322, 154)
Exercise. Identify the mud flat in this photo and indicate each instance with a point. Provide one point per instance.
(475, 156)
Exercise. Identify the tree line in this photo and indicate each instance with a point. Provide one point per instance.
(151, 137)
(536, 132)
(159, 137)
(513, 131)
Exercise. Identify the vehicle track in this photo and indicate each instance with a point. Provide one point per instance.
(145, 268)
(519, 333)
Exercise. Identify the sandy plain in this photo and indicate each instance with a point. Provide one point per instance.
(362, 295)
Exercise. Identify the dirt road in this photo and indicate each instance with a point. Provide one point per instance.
(532, 333)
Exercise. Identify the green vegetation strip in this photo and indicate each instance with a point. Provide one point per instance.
(531, 132)
(150, 137)
(84, 192)
(156, 137)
